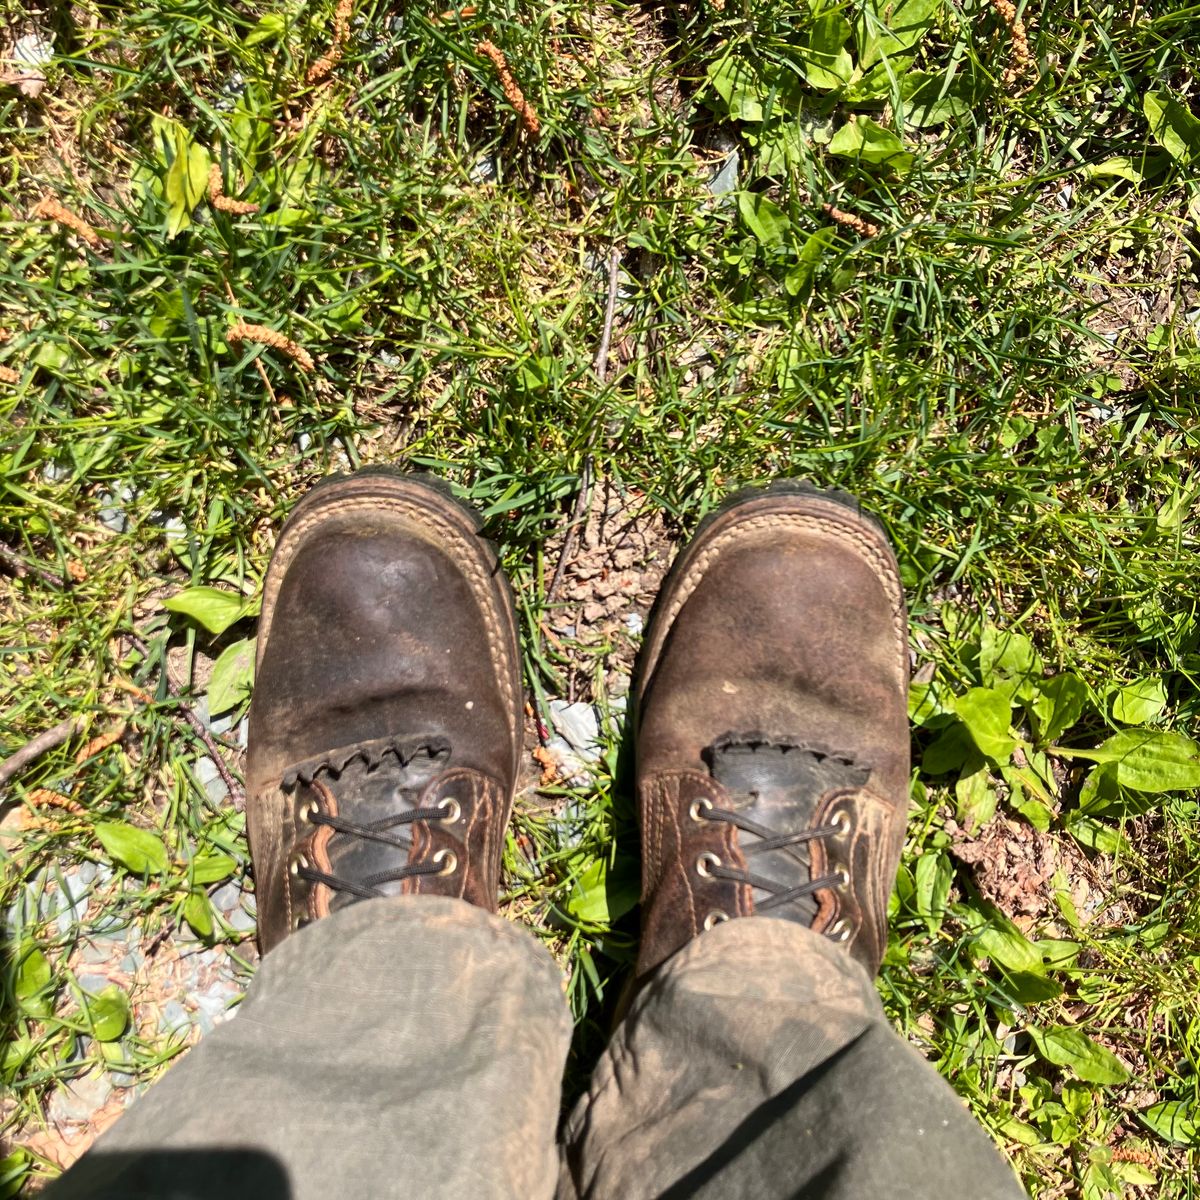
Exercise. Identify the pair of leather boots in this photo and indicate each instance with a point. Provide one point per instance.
(772, 763)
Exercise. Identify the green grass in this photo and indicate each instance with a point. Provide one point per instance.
(1004, 373)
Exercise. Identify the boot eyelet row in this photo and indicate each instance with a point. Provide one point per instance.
(839, 931)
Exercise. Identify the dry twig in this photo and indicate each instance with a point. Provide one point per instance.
(222, 202)
(36, 747)
(20, 566)
(860, 225)
(511, 88)
(265, 336)
(48, 209)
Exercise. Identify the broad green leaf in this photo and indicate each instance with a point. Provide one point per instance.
(31, 983)
(1056, 705)
(798, 280)
(1114, 168)
(269, 29)
(108, 1013)
(765, 219)
(1066, 1047)
(780, 145)
(932, 880)
(975, 796)
(137, 850)
(1173, 126)
(862, 139)
(1034, 811)
(987, 715)
(1175, 1121)
(197, 912)
(1006, 654)
(232, 676)
(1005, 944)
(212, 608)
(185, 179)
(889, 27)
(824, 58)
(1019, 1131)
(931, 100)
(1146, 760)
(212, 868)
(1140, 702)
(1026, 988)
(948, 751)
(600, 898)
(740, 85)
(926, 700)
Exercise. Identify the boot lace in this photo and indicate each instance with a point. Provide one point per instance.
(444, 862)
(768, 839)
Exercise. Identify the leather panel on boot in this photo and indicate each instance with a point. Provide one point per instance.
(387, 666)
(785, 614)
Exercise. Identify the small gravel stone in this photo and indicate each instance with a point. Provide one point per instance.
(210, 779)
(94, 983)
(579, 725)
(79, 1098)
(174, 1018)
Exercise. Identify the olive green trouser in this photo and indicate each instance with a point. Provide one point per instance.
(414, 1047)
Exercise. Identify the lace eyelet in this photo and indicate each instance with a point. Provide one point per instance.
(299, 921)
(699, 806)
(452, 809)
(705, 862)
(841, 821)
(449, 858)
(839, 931)
(843, 877)
(715, 918)
(308, 810)
(297, 862)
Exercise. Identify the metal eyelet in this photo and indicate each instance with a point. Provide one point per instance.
(715, 918)
(698, 806)
(296, 863)
(841, 821)
(452, 809)
(308, 810)
(839, 931)
(843, 877)
(449, 858)
(705, 862)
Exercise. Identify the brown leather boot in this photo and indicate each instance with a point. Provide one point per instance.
(385, 728)
(772, 738)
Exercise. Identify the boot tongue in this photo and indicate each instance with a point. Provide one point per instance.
(369, 783)
(779, 785)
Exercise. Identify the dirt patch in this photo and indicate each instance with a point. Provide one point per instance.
(1019, 869)
(614, 562)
